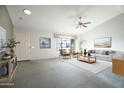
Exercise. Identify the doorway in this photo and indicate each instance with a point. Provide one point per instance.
(23, 50)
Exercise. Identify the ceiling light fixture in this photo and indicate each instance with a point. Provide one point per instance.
(27, 11)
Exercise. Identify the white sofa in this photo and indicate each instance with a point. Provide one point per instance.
(105, 55)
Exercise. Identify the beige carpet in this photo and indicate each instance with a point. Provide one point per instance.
(95, 67)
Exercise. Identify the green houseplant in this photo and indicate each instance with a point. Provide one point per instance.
(11, 44)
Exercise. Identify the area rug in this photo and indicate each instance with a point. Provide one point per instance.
(95, 67)
(112, 78)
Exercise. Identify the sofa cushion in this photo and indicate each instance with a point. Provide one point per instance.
(89, 51)
(93, 51)
(104, 57)
(106, 52)
(103, 52)
(97, 51)
(111, 52)
(120, 55)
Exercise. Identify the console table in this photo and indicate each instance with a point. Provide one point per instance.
(11, 65)
(118, 66)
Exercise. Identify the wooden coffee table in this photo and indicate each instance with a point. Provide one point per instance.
(87, 59)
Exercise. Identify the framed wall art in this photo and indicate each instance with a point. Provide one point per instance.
(45, 42)
(104, 42)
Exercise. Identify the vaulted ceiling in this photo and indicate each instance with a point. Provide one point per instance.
(61, 18)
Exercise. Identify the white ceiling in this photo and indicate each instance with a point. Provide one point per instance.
(61, 18)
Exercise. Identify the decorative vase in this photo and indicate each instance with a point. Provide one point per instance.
(89, 54)
(81, 52)
(11, 52)
(85, 52)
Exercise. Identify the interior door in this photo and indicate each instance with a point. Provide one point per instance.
(23, 50)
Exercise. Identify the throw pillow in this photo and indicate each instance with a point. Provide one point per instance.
(107, 52)
(103, 52)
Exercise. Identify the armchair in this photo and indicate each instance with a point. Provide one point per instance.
(64, 54)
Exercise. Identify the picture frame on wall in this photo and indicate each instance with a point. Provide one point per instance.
(104, 42)
(45, 42)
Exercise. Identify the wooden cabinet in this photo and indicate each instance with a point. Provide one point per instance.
(118, 66)
(11, 65)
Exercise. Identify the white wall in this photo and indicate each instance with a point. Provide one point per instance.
(36, 52)
(112, 28)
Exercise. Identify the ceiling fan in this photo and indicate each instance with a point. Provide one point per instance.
(81, 24)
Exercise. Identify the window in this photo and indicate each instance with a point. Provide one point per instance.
(64, 43)
(2, 37)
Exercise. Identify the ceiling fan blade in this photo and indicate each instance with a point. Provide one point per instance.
(76, 27)
(87, 23)
(84, 25)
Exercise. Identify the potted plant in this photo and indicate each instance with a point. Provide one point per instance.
(11, 44)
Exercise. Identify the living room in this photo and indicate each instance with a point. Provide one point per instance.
(90, 37)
